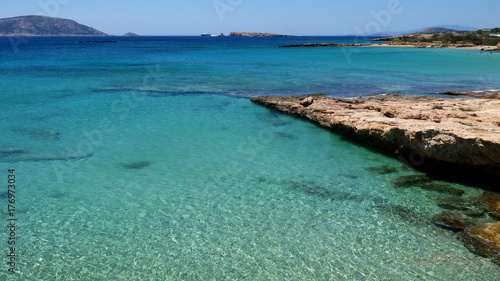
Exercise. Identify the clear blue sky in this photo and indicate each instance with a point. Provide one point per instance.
(301, 17)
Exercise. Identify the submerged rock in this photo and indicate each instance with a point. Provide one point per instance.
(314, 189)
(273, 119)
(442, 188)
(474, 213)
(39, 133)
(406, 214)
(454, 221)
(383, 170)
(28, 156)
(11, 152)
(136, 165)
(484, 240)
(411, 180)
(426, 183)
(286, 135)
(491, 203)
(453, 204)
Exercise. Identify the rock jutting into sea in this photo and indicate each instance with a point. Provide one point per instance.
(399, 44)
(327, 45)
(458, 137)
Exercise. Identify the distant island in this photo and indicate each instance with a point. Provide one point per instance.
(446, 38)
(45, 26)
(130, 34)
(257, 34)
(484, 39)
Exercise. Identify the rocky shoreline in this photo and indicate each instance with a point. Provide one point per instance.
(457, 134)
(399, 44)
(258, 34)
(460, 136)
(326, 45)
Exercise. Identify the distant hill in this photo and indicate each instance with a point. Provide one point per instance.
(45, 26)
(456, 28)
(434, 30)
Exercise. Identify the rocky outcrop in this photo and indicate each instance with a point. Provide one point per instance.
(45, 26)
(484, 240)
(328, 45)
(490, 201)
(479, 233)
(454, 221)
(463, 132)
(18, 155)
(257, 34)
(307, 101)
(401, 44)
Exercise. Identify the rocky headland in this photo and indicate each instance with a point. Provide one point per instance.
(429, 38)
(401, 44)
(446, 39)
(458, 133)
(327, 45)
(459, 137)
(45, 26)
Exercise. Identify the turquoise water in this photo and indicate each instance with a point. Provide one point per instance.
(144, 160)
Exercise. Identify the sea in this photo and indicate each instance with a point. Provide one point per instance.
(142, 158)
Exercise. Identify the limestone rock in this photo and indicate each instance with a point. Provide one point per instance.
(461, 132)
(382, 170)
(454, 221)
(410, 180)
(441, 188)
(491, 203)
(307, 101)
(453, 204)
(484, 240)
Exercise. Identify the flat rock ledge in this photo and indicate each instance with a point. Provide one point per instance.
(433, 134)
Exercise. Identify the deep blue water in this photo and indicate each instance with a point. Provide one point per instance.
(144, 160)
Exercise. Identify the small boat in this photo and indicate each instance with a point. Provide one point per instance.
(206, 35)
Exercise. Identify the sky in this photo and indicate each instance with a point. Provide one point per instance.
(295, 17)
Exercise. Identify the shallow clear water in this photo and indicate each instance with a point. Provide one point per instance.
(143, 161)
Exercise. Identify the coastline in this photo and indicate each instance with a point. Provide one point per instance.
(459, 136)
(400, 45)
(456, 134)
